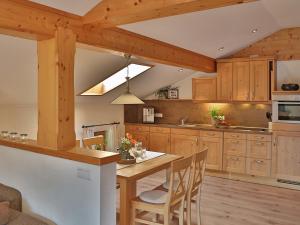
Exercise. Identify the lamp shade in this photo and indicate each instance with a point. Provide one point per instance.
(127, 99)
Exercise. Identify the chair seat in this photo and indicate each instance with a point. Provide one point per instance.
(154, 197)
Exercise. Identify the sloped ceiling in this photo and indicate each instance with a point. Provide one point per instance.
(203, 32)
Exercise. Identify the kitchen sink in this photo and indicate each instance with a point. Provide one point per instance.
(187, 125)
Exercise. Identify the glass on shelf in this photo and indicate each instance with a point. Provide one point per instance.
(24, 137)
(13, 136)
(4, 134)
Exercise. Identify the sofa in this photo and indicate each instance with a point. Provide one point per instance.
(15, 215)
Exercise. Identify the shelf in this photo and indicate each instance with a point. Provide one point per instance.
(285, 92)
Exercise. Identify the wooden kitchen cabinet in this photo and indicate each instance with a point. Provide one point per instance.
(215, 150)
(204, 89)
(235, 164)
(184, 145)
(224, 81)
(160, 139)
(259, 80)
(286, 155)
(241, 81)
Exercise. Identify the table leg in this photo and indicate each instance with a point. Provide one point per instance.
(127, 193)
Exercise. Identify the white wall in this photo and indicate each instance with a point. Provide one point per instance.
(23, 118)
(288, 72)
(51, 187)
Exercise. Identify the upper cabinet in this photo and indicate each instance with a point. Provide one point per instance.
(224, 81)
(241, 81)
(205, 89)
(259, 80)
(244, 79)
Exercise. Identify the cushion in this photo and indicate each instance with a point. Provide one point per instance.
(155, 196)
(4, 213)
(18, 218)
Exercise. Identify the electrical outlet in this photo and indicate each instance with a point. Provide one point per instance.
(83, 174)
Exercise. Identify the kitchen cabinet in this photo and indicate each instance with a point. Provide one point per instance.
(184, 141)
(224, 81)
(160, 139)
(259, 80)
(241, 81)
(213, 141)
(204, 89)
(286, 155)
(236, 164)
(258, 167)
(244, 79)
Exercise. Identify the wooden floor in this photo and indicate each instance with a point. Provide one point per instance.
(228, 202)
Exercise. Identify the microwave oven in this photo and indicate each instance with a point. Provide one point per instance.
(286, 111)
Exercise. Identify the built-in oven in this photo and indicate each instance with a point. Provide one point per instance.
(286, 111)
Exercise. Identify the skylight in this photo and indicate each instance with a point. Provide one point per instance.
(116, 79)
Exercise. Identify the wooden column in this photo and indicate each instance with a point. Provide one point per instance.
(56, 127)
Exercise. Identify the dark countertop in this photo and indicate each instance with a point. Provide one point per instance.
(238, 129)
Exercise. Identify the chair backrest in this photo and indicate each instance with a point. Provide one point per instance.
(90, 143)
(197, 172)
(179, 179)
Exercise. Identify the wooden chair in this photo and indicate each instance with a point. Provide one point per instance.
(92, 141)
(159, 202)
(194, 187)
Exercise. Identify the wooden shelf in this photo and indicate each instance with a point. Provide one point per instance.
(286, 92)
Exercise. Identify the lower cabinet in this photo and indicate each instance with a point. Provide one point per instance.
(184, 145)
(213, 141)
(259, 167)
(236, 164)
(160, 142)
(286, 163)
(142, 137)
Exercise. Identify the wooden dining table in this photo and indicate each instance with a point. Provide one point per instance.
(127, 178)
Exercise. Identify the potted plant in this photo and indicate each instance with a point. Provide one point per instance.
(216, 115)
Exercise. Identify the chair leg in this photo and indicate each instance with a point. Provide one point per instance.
(198, 209)
(181, 213)
(167, 218)
(189, 211)
(133, 215)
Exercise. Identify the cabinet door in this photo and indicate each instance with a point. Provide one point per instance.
(184, 145)
(288, 155)
(235, 164)
(159, 142)
(224, 81)
(142, 137)
(259, 80)
(241, 81)
(204, 89)
(215, 152)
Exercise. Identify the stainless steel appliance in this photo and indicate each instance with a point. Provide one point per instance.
(286, 108)
(148, 115)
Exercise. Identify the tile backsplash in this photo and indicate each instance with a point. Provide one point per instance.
(243, 114)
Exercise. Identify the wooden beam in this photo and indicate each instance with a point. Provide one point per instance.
(120, 40)
(109, 13)
(31, 20)
(283, 45)
(56, 127)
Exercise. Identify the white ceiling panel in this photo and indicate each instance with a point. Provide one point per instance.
(79, 7)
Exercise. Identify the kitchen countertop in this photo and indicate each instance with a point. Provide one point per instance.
(263, 130)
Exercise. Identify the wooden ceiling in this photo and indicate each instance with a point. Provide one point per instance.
(27, 19)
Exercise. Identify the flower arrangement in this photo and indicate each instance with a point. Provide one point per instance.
(127, 143)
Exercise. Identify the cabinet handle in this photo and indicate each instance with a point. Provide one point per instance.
(259, 137)
(275, 142)
(259, 161)
(234, 136)
(260, 143)
(197, 141)
(235, 142)
(211, 134)
(235, 159)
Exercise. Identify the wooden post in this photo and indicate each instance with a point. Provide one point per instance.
(56, 127)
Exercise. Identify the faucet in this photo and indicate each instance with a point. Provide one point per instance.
(183, 120)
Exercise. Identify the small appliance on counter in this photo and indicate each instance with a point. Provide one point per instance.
(148, 115)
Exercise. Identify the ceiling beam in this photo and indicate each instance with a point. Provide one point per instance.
(26, 19)
(109, 13)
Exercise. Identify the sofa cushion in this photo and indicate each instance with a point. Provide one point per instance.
(11, 195)
(17, 218)
(4, 213)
